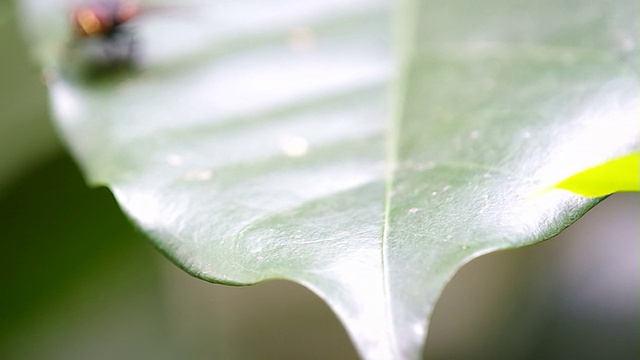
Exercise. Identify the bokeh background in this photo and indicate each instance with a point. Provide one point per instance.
(77, 281)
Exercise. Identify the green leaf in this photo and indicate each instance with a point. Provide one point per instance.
(620, 174)
(368, 161)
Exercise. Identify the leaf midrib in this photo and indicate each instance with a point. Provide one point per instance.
(404, 27)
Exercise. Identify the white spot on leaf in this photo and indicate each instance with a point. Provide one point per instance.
(200, 175)
(174, 160)
(294, 146)
(419, 330)
(302, 39)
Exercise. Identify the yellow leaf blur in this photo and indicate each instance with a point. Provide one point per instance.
(621, 174)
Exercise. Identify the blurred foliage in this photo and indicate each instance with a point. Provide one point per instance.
(26, 135)
(77, 280)
(620, 174)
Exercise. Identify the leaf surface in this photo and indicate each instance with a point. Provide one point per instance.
(365, 158)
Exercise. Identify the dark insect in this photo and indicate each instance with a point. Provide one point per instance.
(103, 40)
(102, 18)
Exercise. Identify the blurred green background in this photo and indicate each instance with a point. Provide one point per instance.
(79, 282)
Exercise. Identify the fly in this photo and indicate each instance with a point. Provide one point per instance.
(103, 18)
(103, 39)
